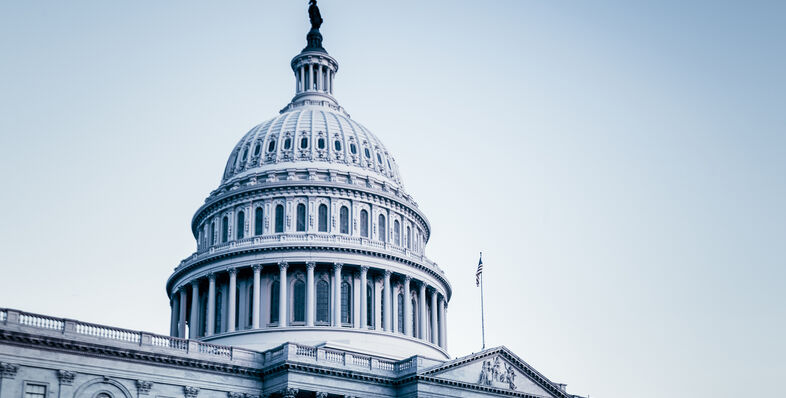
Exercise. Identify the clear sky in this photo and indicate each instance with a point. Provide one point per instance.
(620, 164)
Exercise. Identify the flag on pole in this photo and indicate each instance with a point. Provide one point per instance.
(479, 271)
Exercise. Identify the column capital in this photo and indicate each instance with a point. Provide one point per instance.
(407, 279)
(288, 392)
(232, 271)
(337, 266)
(256, 267)
(311, 265)
(211, 276)
(388, 273)
(282, 265)
(321, 395)
(195, 282)
(364, 269)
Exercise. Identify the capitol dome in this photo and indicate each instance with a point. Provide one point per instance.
(311, 239)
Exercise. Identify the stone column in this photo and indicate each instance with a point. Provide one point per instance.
(211, 305)
(355, 300)
(407, 307)
(232, 298)
(193, 323)
(395, 310)
(282, 294)
(434, 326)
(363, 295)
(320, 81)
(173, 305)
(255, 298)
(387, 305)
(328, 81)
(337, 294)
(422, 311)
(183, 302)
(442, 323)
(310, 302)
(302, 81)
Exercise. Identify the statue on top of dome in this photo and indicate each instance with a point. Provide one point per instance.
(314, 15)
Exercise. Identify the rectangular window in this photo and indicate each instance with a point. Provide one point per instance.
(35, 391)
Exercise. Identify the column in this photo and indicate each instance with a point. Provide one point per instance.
(327, 80)
(388, 307)
(394, 312)
(211, 305)
(173, 304)
(356, 300)
(193, 323)
(363, 296)
(282, 294)
(301, 81)
(255, 299)
(181, 324)
(320, 83)
(434, 326)
(422, 311)
(407, 307)
(442, 324)
(232, 298)
(337, 294)
(313, 77)
(310, 303)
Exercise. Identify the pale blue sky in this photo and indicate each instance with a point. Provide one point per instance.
(621, 165)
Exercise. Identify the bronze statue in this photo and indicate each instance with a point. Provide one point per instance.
(314, 15)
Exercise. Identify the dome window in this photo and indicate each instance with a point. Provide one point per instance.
(321, 143)
(353, 148)
(271, 147)
(379, 158)
(368, 153)
(287, 144)
(337, 145)
(256, 150)
(245, 154)
(304, 143)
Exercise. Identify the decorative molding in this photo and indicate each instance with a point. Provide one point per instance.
(144, 386)
(65, 377)
(289, 392)
(190, 392)
(8, 370)
(311, 265)
(282, 265)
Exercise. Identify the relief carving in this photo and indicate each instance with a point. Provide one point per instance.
(498, 372)
(65, 377)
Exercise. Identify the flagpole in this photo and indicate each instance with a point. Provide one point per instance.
(482, 314)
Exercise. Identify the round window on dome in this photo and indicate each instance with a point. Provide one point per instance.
(321, 143)
(304, 143)
(287, 144)
(353, 148)
(368, 153)
(337, 145)
(271, 146)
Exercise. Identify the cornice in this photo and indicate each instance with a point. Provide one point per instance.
(111, 352)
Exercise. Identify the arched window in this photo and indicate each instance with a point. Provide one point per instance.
(219, 313)
(279, 218)
(224, 229)
(400, 307)
(346, 303)
(301, 217)
(396, 233)
(409, 238)
(323, 218)
(212, 236)
(321, 143)
(237, 308)
(323, 302)
(240, 226)
(353, 148)
(287, 143)
(299, 301)
(103, 395)
(274, 293)
(370, 304)
(414, 317)
(344, 219)
(271, 146)
(337, 145)
(250, 306)
(383, 232)
(304, 143)
(259, 219)
(364, 223)
(257, 148)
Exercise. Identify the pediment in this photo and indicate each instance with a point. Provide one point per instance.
(498, 369)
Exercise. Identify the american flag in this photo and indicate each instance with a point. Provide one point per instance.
(479, 271)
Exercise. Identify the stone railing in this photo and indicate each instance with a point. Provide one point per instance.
(282, 239)
(108, 335)
(44, 326)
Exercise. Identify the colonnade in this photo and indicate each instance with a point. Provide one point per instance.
(194, 312)
(314, 77)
